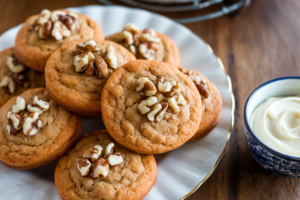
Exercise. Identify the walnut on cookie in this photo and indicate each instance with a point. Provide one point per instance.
(7, 84)
(28, 120)
(142, 42)
(155, 110)
(56, 24)
(86, 61)
(95, 164)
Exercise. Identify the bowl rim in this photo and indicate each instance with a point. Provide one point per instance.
(249, 129)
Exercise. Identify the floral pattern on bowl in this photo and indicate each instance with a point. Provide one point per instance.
(271, 162)
(270, 159)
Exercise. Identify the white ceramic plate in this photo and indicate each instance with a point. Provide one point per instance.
(180, 172)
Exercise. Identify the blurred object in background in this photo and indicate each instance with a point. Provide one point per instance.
(209, 8)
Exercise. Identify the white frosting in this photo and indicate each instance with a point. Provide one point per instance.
(276, 122)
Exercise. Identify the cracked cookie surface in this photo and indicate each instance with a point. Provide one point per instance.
(34, 51)
(59, 131)
(36, 79)
(73, 90)
(130, 180)
(133, 130)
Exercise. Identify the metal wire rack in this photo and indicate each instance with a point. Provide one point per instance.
(221, 7)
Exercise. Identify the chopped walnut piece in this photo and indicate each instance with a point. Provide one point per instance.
(14, 123)
(84, 166)
(157, 112)
(126, 37)
(32, 124)
(132, 49)
(149, 35)
(164, 86)
(68, 21)
(145, 104)
(45, 30)
(146, 87)
(46, 14)
(132, 28)
(147, 53)
(84, 47)
(81, 61)
(59, 31)
(200, 84)
(175, 89)
(203, 90)
(109, 150)
(15, 65)
(21, 80)
(100, 168)
(56, 14)
(90, 68)
(38, 106)
(115, 159)
(19, 106)
(175, 101)
(111, 57)
(7, 85)
(101, 68)
(93, 153)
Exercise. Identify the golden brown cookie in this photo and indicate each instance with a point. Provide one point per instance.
(148, 44)
(34, 130)
(149, 108)
(15, 78)
(42, 34)
(77, 84)
(211, 103)
(84, 174)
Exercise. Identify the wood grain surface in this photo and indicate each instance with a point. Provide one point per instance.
(259, 45)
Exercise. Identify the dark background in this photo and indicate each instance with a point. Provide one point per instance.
(259, 45)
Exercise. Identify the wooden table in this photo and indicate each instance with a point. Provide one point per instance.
(255, 47)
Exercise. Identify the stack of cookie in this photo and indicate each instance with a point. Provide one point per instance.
(149, 106)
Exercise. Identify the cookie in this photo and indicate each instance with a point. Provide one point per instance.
(99, 168)
(75, 75)
(15, 77)
(148, 44)
(211, 103)
(34, 130)
(42, 34)
(150, 108)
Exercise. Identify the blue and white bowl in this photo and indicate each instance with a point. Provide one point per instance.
(270, 159)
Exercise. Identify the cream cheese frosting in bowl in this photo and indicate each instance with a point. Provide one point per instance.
(272, 126)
